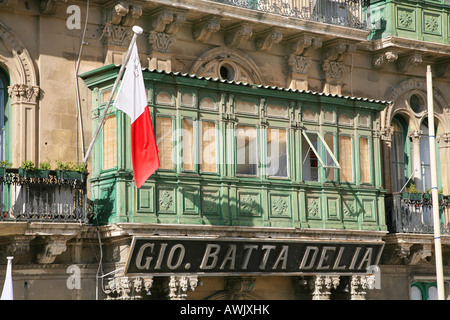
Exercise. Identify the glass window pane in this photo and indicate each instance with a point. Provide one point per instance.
(415, 293)
(208, 148)
(310, 163)
(364, 159)
(399, 157)
(432, 293)
(330, 172)
(345, 159)
(276, 152)
(188, 144)
(164, 142)
(110, 143)
(246, 151)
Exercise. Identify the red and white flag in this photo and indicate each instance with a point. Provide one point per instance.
(132, 99)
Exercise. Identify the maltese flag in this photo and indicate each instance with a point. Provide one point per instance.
(132, 99)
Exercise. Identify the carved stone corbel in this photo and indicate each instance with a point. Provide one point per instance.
(380, 60)
(337, 50)
(53, 247)
(165, 24)
(323, 286)
(50, 6)
(205, 28)
(238, 34)
(303, 44)
(420, 253)
(405, 64)
(266, 39)
(134, 12)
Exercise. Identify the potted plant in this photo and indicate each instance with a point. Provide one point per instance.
(29, 170)
(68, 171)
(413, 193)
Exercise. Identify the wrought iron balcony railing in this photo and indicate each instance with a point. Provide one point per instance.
(348, 13)
(413, 213)
(43, 196)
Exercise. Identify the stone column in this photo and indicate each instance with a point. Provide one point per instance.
(415, 155)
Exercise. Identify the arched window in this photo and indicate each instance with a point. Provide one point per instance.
(400, 154)
(425, 168)
(4, 82)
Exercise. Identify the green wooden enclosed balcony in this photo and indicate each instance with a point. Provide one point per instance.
(237, 154)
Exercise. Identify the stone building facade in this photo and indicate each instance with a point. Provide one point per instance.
(337, 86)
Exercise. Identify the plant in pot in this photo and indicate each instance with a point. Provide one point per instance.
(68, 171)
(28, 169)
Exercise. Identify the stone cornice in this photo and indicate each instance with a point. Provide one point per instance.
(146, 229)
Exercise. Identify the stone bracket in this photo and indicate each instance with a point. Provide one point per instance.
(380, 60)
(203, 30)
(53, 247)
(405, 64)
(238, 34)
(266, 39)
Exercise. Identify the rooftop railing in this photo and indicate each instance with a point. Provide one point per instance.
(42, 195)
(346, 13)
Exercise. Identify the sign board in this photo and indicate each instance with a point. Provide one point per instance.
(168, 256)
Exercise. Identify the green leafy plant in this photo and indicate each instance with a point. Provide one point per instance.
(45, 166)
(82, 167)
(5, 164)
(412, 188)
(63, 165)
(28, 165)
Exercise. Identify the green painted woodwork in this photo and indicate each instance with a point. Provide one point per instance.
(180, 196)
(426, 20)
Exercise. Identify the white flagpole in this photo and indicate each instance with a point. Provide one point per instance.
(434, 189)
(7, 293)
(137, 31)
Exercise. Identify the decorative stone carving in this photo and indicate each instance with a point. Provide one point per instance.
(359, 285)
(160, 41)
(178, 286)
(117, 34)
(239, 287)
(297, 64)
(238, 34)
(50, 6)
(333, 69)
(203, 30)
(265, 40)
(165, 24)
(23, 93)
(380, 60)
(125, 288)
(303, 44)
(405, 64)
(323, 286)
(336, 51)
(53, 247)
(415, 134)
(8, 4)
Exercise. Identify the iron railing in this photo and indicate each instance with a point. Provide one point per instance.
(413, 213)
(348, 13)
(47, 198)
